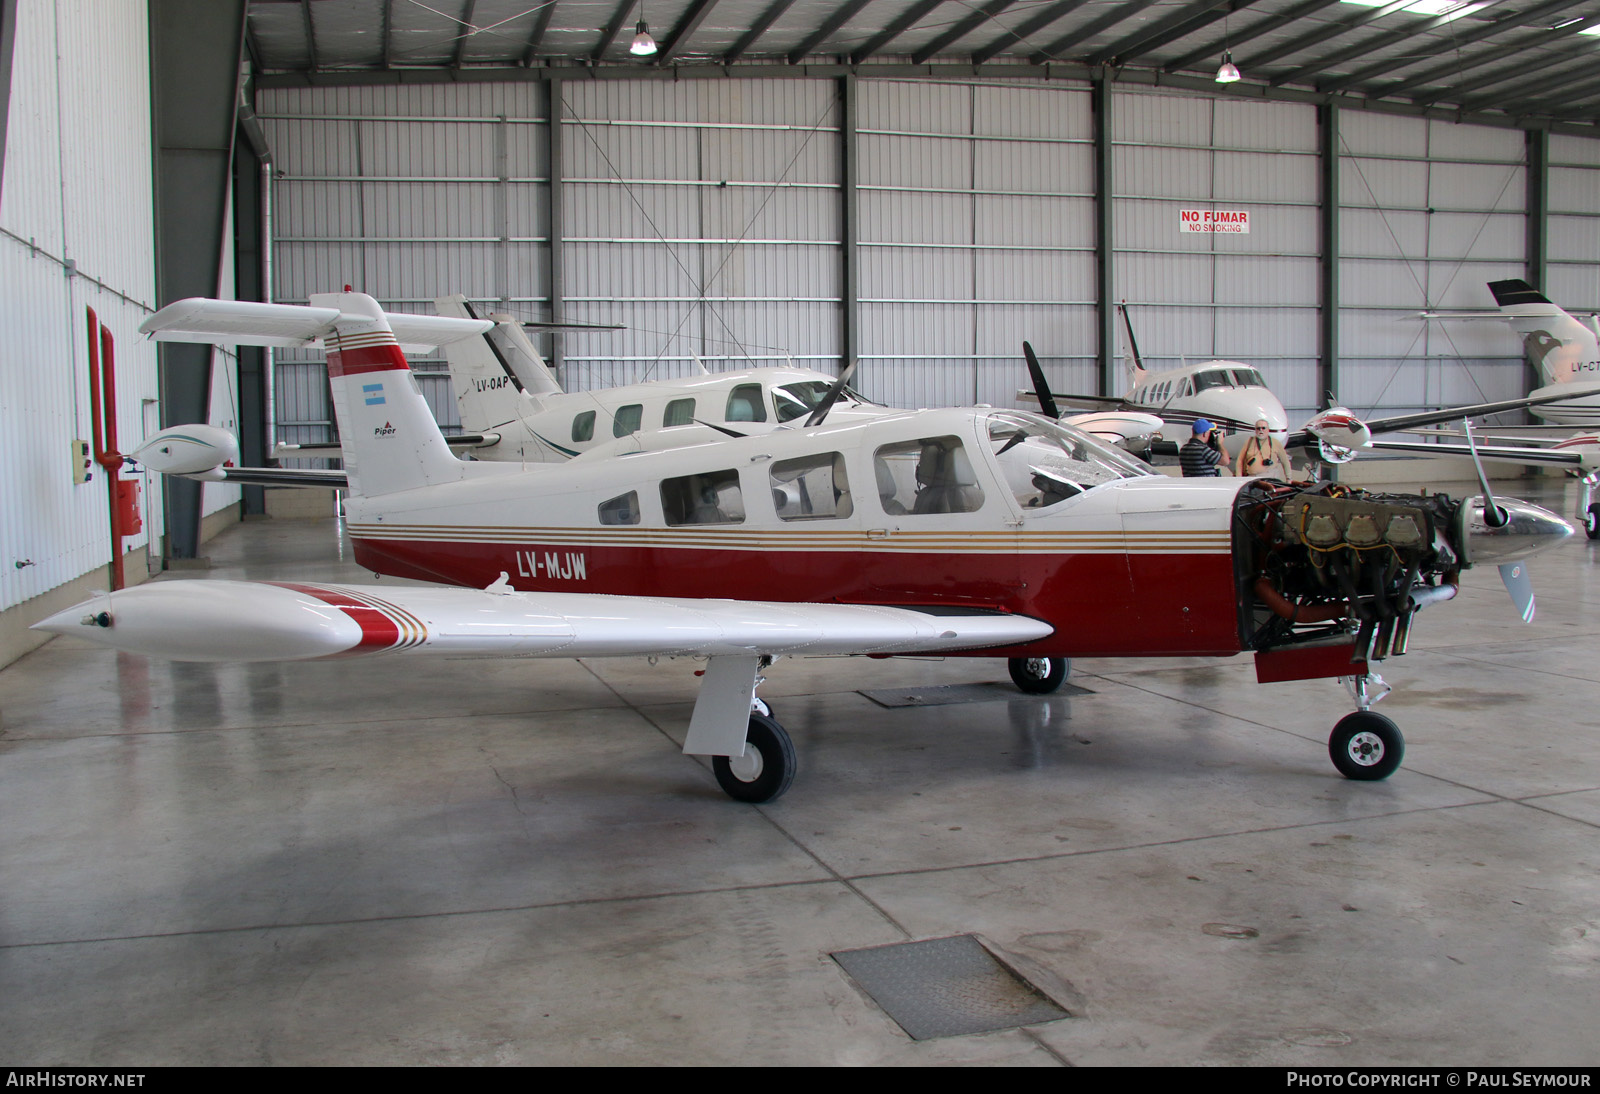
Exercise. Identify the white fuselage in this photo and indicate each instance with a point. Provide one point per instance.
(1229, 394)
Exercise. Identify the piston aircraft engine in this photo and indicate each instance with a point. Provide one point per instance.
(972, 532)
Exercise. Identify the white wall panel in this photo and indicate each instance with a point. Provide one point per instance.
(81, 193)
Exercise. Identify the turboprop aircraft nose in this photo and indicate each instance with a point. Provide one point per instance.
(1530, 529)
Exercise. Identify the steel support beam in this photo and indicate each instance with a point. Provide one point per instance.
(961, 29)
(619, 19)
(1118, 14)
(1536, 203)
(832, 23)
(555, 272)
(760, 27)
(1024, 31)
(195, 47)
(8, 37)
(541, 24)
(468, 30)
(850, 209)
(678, 39)
(1328, 261)
(1317, 37)
(1180, 24)
(1233, 39)
(249, 281)
(1104, 240)
(898, 26)
(1458, 38)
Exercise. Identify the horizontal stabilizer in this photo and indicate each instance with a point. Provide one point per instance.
(249, 323)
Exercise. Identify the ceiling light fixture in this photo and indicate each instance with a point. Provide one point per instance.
(643, 44)
(1227, 72)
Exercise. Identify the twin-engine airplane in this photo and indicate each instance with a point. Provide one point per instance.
(974, 532)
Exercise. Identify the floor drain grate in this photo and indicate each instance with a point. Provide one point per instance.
(957, 693)
(946, 987)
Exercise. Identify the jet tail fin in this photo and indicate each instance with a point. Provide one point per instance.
(493, 376)
(1555, 343)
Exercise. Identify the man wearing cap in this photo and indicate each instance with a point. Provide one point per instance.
(1202, 456)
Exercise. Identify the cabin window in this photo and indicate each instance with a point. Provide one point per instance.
(621, 510)
(679, 412)
(811, 488)
(931, 475)
(799, 399)
(709, 498)
(744, 404)
(627, 419)
(583, 426)
(1045, 463)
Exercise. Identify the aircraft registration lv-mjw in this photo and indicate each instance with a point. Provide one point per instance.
(977, 532)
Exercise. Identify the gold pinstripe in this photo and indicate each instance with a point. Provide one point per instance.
(1190, 541)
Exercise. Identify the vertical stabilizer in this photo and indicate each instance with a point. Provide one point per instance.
(387, 432)
(1560, 347)
(1130, 348)
(489, 393)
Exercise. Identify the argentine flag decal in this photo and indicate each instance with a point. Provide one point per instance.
(374, 394)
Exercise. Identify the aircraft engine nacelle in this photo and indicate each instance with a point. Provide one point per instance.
(1339, 433)
(191, 451)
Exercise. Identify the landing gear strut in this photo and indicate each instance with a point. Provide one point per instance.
(1366, 745)
(1038, 675)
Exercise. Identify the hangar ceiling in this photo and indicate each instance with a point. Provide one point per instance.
(1510, 62)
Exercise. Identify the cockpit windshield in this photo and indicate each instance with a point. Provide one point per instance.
(798, 399)
(1228, 377)
(1045, 462)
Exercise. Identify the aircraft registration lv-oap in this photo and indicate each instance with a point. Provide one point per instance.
(974, 532)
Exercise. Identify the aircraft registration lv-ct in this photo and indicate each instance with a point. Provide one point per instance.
(975, 531)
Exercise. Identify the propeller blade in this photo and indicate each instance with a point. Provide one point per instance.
(1494, 515)
(1041, 389)
(1520, 586)
(831, 397)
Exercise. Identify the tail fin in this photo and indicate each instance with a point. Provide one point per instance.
(490, 388)
(388, 436)
(1555, 343)
(1130, 348)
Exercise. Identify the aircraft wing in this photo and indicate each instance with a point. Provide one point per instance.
(1510, 453)
(1305, 437)
(284, 621)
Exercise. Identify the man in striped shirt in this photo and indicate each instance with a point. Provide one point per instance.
(1202, 456)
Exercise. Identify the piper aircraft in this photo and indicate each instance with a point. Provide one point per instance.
(971, 532)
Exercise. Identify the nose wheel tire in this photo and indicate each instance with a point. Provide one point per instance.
(1366, 745)
(765, 770)
(1038, 675)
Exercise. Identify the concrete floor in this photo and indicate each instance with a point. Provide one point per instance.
(511, 862)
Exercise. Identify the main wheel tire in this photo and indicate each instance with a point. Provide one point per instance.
(765, 770)
(1591, 521)
(1366, 745)
(1038, 675)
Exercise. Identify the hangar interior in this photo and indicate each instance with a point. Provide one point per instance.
(511, 862)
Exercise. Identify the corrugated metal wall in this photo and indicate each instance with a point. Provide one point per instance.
(1574, 246)
(76, 230)
(1193, 296)
(1431, 212)
(977, 232)
(705, 215)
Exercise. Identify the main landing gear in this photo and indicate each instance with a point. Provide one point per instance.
(1366, 745)
(1039, 675)
(767, 767)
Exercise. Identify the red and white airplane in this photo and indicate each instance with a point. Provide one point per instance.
(974, 532)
